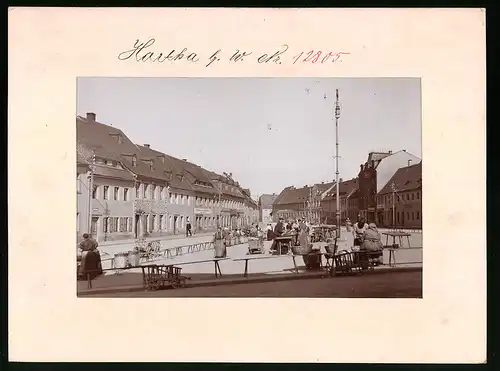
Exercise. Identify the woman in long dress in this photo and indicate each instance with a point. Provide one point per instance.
(91, 259)
(219, 244)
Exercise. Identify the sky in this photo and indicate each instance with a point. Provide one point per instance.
(270, 133)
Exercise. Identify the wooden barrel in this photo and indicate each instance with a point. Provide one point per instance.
(312, 261)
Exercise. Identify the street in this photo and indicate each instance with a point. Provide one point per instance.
(387, 285)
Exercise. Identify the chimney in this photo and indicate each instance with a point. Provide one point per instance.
(147, 146)
(341, 180)
(91, 116)
(373, 164)
(361, 167)
(184, 159)
(390, 152)
(409, 162)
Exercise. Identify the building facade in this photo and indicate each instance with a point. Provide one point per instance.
(266, 202)
(136, 191)
(305, 202)
(399, 203)
(374, 175)
(348, 203)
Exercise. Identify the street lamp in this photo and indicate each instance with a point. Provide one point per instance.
(337, 116)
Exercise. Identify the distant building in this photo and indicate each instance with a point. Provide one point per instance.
(266, 208)
(348, 203)
(399, 203)
(305, 202)
(374, 175)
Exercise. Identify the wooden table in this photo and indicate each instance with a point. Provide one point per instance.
(215, 260)
(259, 257)
(283, 240)
(392, 248)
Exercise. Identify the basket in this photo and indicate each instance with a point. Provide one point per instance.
(121, 260)
(133, 259)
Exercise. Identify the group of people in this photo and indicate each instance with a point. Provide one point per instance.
(300, 229)
(367, 238)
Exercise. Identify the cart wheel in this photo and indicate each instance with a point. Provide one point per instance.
(156, 285)
(183, 282)
(175, 284)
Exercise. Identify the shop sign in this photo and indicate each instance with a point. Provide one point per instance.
(202, 211)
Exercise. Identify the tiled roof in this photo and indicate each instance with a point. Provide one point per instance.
(110, 172)
(377, 156)
(103, 140)
(345, 187)
(405, 179)
(266, 201)
(292, 195)
(111, 143)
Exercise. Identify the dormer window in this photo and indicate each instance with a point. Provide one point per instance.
(118, 137)
(168, 175)
(162, 159)
(134, 161)
(180, 177)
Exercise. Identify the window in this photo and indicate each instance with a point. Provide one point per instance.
(155, 221)
(170, 197)
(144, 191)
(137, 190)
(123, 224)
(162, 222)
(134, 161)
(408, 197)
(113, 225)
(106, 192)
(418, 215)
(120, 139)
(129, 224)
(153, 192)
(94, 191)
(161, 192)
(187, 200)
(418, 195)
(105, 225)
(115, 193)
(125, 194)
(182, 200)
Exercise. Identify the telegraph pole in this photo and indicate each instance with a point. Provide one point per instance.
(337, 116)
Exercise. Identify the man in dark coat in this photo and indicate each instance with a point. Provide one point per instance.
(278, 231)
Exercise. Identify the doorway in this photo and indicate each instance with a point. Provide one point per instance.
(93, 226)
(136, 225)
(175, 223)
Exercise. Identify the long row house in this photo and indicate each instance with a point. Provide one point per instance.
(387, 191)
(127, 191)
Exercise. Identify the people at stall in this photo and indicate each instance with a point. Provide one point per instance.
(372, 242)
(358, 232)
(91, 258)
(278, 232)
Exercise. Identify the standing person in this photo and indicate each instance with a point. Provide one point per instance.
(91, 259)
(188, 227)
(278, 231)
(219, 244)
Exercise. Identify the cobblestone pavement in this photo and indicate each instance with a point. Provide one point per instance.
(387, 285)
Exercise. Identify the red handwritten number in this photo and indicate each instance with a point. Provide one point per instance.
(297, 57)
(326, 57)
(316, 57)
(307, 59)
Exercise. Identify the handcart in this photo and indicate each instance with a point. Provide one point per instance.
(162, 276)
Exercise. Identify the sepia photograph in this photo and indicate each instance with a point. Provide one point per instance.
(249, 187)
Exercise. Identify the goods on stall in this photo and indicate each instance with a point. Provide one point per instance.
(121, 260)
(133, 258)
